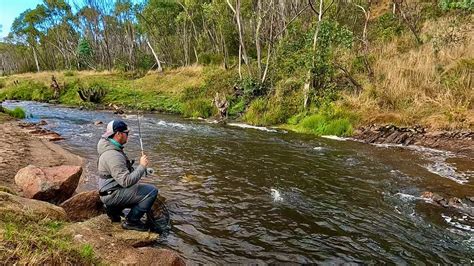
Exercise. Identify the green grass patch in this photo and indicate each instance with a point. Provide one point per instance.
(27, 91)
(198, 108)
(327, 120)
(18, 112)
(39, 242)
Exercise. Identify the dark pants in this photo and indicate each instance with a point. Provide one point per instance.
(139, 198)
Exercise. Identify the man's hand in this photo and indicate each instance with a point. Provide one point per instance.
(144, 161)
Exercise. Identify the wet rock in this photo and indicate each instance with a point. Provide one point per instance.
(52, 184)
(457, 141)
(470, 199)
(33, 209)
(117, 110)
(37, 130)
(83, 206)
(42, 123)
(97, 123)
(454, 202)
(113, 245)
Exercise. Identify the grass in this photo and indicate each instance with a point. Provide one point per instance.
(38, 242)
(18, 112)
(430, 84)
(329, 119)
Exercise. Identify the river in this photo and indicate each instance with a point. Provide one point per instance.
(257, 195)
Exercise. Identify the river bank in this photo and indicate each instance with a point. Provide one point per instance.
(37, 232)
(460, 142)
(20, 147)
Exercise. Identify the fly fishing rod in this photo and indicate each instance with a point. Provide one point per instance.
(149, 171)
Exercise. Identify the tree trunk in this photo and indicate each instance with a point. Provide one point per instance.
(160, 69)
(36, 59)
(257, 37)
(269, 48)
(309, 77)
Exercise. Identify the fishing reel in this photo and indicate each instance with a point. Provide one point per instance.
(150, 171)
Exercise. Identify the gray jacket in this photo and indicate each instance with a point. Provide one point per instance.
(112, 166)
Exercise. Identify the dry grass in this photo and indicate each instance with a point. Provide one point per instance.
(173, 81)
(168, 82)
(431, 85)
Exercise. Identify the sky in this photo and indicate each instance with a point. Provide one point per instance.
(10, 9)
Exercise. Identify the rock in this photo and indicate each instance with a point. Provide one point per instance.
(34, 209)
(116, 246)
(83, 206)
(427, 195)
(42, 123)
(454, 202)
(97, 123)
(52, 184)
(470, 198)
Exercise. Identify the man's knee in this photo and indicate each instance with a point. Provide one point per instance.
(152, 191)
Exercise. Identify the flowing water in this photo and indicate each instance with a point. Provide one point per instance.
(256, 195)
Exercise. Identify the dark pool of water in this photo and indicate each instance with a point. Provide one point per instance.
(246, 195)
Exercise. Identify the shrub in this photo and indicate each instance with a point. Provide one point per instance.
(197, 108)
(256, 111)
(467, 5)
(18, 112)
(237, 107)
(28, 91)
(93, 93)
(386, 27)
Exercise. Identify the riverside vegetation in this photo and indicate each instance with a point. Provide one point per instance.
(320, 67)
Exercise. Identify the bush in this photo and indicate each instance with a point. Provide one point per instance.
(27, 91)
(237, 107)
(93, 93)
(197, 108)
(467, 5)
(18, 112)
(386, 27)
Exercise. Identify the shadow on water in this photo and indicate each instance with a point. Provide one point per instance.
(243, 195)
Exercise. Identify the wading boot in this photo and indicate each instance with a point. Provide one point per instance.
(114, 213)
(132, 222)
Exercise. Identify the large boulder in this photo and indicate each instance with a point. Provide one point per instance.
(33, 209)
(116, 246)
(83, 206)
(52, 184)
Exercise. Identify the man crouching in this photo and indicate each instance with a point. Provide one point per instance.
(118, 181)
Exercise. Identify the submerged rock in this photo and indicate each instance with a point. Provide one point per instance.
(52, 184)
(34, 209)
(98, 123)
(83, 206)
(114, 245)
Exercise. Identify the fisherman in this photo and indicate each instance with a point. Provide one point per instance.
(118, 180)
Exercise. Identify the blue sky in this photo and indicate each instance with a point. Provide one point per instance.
(10, 9)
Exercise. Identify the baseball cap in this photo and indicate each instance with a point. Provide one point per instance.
(115, 126)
